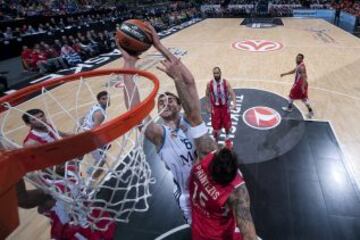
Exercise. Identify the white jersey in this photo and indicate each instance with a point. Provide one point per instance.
(88, 122)
(178, 153)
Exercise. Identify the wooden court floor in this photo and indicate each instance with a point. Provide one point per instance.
(332, 58)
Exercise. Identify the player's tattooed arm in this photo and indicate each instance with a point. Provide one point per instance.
(207, 98)
(239, 201)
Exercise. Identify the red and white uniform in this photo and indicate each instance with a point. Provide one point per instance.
(296, 91)
(212, 219)
(62, 229)
(41, 137)
(219, 99)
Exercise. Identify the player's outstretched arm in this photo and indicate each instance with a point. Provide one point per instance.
(187, 91)
(29, 198)
(288, 73)
(153, 131)
(183, 78)
(239, 201)
(207, 98)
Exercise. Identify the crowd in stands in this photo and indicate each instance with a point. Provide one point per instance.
(352, 7)
(283, 8)
(17, 9)
(240, 11)
(232, 2)
(161, 17)
(68, 50)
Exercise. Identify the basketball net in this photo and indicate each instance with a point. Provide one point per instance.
(105, 185)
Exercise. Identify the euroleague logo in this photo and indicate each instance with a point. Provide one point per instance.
(261, 118)
(258, 45)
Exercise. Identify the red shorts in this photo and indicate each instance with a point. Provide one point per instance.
(296, 91)
(220, 117)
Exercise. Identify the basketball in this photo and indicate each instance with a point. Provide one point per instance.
(134, 36)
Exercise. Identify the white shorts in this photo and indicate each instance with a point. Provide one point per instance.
(183, 200)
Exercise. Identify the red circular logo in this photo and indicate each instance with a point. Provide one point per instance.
(258, 45)
(261, 118)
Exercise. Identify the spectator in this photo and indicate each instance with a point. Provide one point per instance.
(26, 58)
(92, 42)
(17, 33)
(30, 30)
(40, 59)
(70, 55)
(57, 46)
(110, 38)
(8, 33)
(64, 38)
(75, 44)
(41, 28)
(54, 59)
(49, 28)
(104, 43)
(85, 45)
(61, 24)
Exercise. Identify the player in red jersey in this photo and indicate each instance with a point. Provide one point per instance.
(41, 132)
(299, 90)
(221, 97)
(220, 199)
(55, 210)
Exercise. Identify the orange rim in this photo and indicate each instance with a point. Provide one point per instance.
(14, 164)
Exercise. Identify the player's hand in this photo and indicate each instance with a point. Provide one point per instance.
(155, 36)
(281, 75)
(173, 68)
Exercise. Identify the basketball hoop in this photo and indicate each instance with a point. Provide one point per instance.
(122, 186)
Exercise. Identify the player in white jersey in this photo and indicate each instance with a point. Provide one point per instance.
(97, 113)
(94, 117)
(175, 147)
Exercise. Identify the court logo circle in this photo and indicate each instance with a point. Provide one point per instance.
(261, 118)
(258, 45)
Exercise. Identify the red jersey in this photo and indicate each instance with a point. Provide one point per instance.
(219, 93)
(297, 72)
(211, 217)
(298, 91)
(61, 226)
(38, 56)
(26, 54)
(41, 137)
(61, 229)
